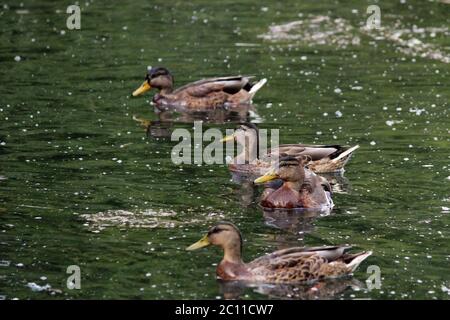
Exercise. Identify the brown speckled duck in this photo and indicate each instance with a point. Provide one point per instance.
(301, 188)
(322, 158)
(207, 94)
(283, 266)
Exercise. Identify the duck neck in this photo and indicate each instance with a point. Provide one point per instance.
(250, 149)
(166, 90)
(295, 185)
(233, 254)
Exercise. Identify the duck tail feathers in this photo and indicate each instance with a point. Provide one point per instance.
(257, 86)
(356, 261)
(345, 153)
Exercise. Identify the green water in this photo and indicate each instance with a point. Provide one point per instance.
(69, 146)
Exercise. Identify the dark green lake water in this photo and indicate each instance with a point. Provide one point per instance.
(69, 146)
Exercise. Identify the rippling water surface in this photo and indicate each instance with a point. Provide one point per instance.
(83, 183)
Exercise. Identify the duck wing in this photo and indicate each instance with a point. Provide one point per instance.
(315, 152)
(291, 267)
(279, 257)
(304, 264)
(203, 88)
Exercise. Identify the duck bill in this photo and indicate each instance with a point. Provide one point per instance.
(203, 242)
(143, 88)
(269, 176)
(227, 138)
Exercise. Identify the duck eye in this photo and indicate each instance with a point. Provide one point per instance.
(215, 230)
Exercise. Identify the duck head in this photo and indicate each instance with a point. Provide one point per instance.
(247, 136)
(245, 130)
(289, 169)
(225, 235)
(157, 77)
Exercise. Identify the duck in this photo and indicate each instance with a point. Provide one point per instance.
(290, 265)
(295, 187)
(322, 158)
(206, 94)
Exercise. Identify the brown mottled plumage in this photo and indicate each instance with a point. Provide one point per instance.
(283, 266)
(322, 158)
(207, 94)
(301, 188)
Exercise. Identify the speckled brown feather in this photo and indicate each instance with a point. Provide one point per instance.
(297, 265)
(326, 166)
(207, 94)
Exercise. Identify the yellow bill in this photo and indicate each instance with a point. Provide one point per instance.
(227, 138)
(269, 176)
(143, 88)
(203, 242)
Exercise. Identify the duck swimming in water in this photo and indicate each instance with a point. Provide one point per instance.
(207, 94)
(301, 188)
(322, 158)
(290, 265)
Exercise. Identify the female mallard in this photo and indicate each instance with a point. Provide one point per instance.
(323, 158)
(283, 266)
(301, 188)
(204, 94)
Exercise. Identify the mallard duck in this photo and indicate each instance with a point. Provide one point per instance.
(322, 158)
(283, 266)
(300, 188)
(200, 95)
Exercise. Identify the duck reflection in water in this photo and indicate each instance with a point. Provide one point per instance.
(239, 113)
(320, 290)
(295, 223)
(163, 126)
